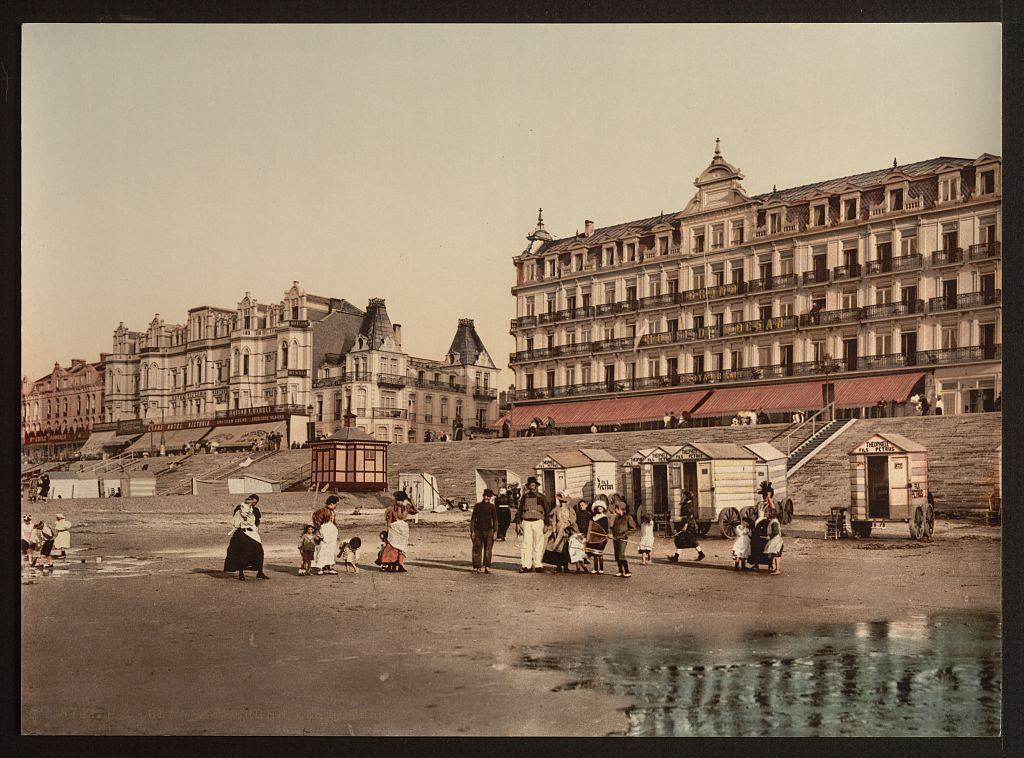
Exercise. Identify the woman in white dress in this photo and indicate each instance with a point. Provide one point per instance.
(245, 550)
(327, 549)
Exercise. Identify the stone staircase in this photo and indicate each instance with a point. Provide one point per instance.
(179, 481)
(962, 461)
(810, 447)
(290, 467)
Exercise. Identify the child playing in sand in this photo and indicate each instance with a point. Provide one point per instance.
(646, 539)
(307, 547)
(350, 554)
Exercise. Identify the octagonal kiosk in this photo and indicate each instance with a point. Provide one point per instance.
(350, 460)
(889, 483)
(581, 474)
(773, 466)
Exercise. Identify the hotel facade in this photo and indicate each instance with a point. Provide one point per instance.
(860, 290)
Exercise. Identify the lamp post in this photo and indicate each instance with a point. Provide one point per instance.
(310, 424)
(828, 366)
(163, 447)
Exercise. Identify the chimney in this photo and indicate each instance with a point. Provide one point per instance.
(349, 415)
(588, 228)
(397, 329)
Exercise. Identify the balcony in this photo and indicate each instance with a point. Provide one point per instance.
(390, 413)
(659, 301)
(782, 281)
(965, 300)
(714, 293)
(390, 380)
(619, 343)
(524, 322)
(819, 276)
(576, 348)
(984, 250)
(547, 318)
(485, 393)
(947, 257)
(442, 386)
(887, 265)
(331, 381)
(759, 325)
(960, 355)
(849, 271)
(840, 316)
(887, 361)
(892, 310)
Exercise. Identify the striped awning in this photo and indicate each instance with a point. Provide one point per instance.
(243, 435)
(770, 398)
(172, 439)
(866, 391)
(97, 440)
(605, 411)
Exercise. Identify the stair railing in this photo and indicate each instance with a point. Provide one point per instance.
(814, 420)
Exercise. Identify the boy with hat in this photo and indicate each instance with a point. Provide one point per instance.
(531, 518)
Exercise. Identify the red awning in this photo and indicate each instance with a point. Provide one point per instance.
(867, 391)
(605, 411)
(778, 397)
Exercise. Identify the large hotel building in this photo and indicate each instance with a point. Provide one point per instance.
(862, 290)
(306, 365)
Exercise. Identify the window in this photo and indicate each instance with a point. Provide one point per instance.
(295, 312)
(631, 330)
(609, 294)
(654, 368)
(764, 312)
(246, 321)
(819, 215)
(245, 364)
(786, 264)
(988, 182)
(908, 242)
(570, 337)
(662, 245)
(284, 355)
(737, 272)
(551, 344)
(736, 317)
(631, 293)
(570, 376)
(529, 307)
(850, 209)
(673, 325)
(786, 308)
(698, 322)
(609, 256)
(949, 189)
(719, 320)
(883, 295)
(570, 303)
(577, 263)
(765, 267)
(655, 289)
(736, 358)
(698, 277)
(673, 286)
(883, 344)
(698, 240)
(737, 232)
(949, 337)
(584, 335)
(609, 333)
(818, 350)
(775, 223)
(848, 299)
(631, 251)
(950, 237)
(987, 229)
(896, 200)
(551, 304)
(764, 356)
(586, 299)
(717, 236)
(585, 375)
(529, 346)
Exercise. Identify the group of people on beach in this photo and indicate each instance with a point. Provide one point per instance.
(569, 538)
(40, 539)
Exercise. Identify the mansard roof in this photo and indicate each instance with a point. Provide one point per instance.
(467, 343)
(791, 196)
(376, 325)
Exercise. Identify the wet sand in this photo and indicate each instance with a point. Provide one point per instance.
(153, 638)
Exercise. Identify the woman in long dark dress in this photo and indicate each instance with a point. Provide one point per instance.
(758, 539)
(245, 550)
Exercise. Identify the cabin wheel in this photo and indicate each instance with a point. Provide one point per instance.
(929, 521)
(703, 527)
(787, 511)
(728, 520)
(750, 512)
(917, 524)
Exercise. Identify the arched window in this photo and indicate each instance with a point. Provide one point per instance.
(284, 355)
(245, 362)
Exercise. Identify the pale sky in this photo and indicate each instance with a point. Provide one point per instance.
(171, 166)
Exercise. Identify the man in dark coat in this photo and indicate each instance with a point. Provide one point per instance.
(482, 523)
(503, 503)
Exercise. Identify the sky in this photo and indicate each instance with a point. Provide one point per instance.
(171, 166)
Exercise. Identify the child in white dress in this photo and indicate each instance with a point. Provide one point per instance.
(741, 545)
(646, 539)
(577, 551)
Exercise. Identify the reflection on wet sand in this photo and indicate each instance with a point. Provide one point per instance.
(925, 676)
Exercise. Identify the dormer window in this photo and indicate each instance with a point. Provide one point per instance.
(663, 246)
(818, 214)
(551, 266)
(850, 209)
(949, 189)
(896, 199)
(775, 222)
(987, 182)
(631, 251)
